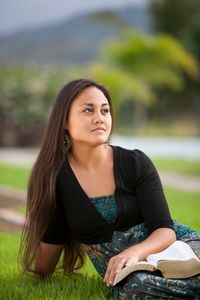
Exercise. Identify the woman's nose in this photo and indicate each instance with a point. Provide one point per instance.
(98, 118)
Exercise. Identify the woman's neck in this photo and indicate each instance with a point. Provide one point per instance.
(89, 158)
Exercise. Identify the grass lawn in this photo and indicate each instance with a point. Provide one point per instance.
(186, 167)
(14, 287)
(14, 176)
(184, 208)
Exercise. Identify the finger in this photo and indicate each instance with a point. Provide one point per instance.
(108, 270)
(111, 266)
(116, 267)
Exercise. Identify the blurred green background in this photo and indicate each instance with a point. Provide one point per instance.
(148, 57)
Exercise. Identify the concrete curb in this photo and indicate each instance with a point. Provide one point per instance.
(13, 194)
(180, 182)
(12, 217)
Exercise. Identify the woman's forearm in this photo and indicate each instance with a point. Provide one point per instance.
(157, 241)
(47, 259)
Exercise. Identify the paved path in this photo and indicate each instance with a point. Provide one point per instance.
(11, 217)
(181, 182)
(10, 200)
(18, 156)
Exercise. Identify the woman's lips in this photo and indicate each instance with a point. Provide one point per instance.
(99, 129)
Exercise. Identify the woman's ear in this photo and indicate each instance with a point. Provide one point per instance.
(67, 140)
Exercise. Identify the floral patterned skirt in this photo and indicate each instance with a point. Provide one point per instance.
(145, 284)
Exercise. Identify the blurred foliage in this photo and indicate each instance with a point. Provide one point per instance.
(134, 66)
(180, 19)
(25, 100)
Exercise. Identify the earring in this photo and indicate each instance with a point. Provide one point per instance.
(67, 141)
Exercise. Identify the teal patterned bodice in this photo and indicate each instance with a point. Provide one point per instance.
(106, 206)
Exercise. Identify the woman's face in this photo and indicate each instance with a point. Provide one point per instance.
(89, 121)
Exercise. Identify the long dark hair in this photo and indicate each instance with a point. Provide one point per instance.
(41, 187)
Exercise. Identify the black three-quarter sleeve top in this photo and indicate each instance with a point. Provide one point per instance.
(138, 194)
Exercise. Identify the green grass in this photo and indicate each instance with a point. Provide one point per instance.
(184, 207)
(21, 209)
(14, 176)
(15, 287)
(186, 167)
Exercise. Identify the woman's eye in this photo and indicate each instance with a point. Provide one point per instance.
(106, 110)
(103, 111)
(88, 110)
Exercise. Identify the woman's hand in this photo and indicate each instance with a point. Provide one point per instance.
(118, 262)
(157, 241)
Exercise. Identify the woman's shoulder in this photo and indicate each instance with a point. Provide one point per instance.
(134, 160)
(136, 154)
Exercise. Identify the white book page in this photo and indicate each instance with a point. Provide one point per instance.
(177, 251)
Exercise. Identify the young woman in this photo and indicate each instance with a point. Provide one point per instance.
(88, 197)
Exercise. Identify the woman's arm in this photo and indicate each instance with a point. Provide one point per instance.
(47, 259)
(157, 241)
(155, 212)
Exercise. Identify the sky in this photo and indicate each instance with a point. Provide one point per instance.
(22, 14)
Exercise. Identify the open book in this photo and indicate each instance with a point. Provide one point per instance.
(177, 261)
